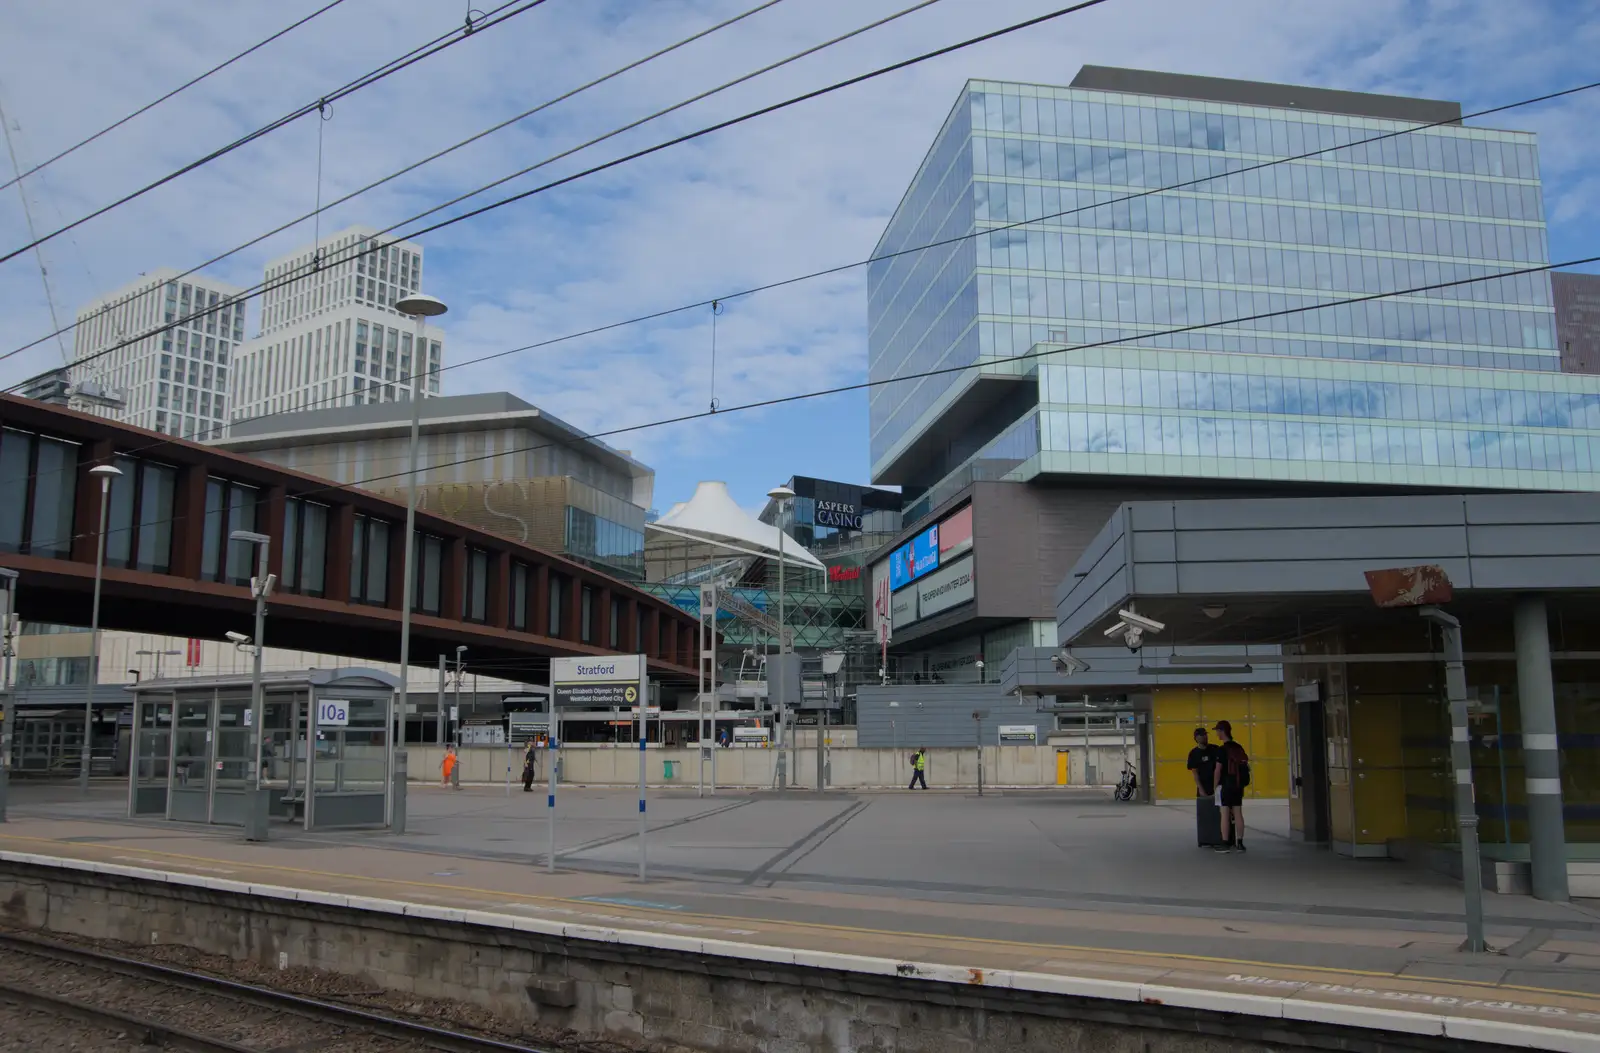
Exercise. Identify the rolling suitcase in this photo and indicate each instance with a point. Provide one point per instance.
(1207, 821)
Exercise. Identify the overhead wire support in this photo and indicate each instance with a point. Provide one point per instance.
(432, 47)
(185, 86)
(448, 150)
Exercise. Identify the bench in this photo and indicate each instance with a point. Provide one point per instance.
(296, 806)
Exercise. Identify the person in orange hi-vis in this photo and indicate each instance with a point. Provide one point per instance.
(448, 769)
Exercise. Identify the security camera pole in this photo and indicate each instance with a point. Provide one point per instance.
(1424, 587)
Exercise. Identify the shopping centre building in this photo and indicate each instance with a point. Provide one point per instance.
(1081, 338)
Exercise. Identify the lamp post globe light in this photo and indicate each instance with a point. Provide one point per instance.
(158, 656)
(105, 473)
(780, 494)
(420, 307)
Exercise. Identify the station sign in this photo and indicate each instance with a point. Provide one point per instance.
(615, 681)
(1019, 735)
(752, 736)
(333, 713)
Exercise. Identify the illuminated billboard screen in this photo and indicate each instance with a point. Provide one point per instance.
(914, 559)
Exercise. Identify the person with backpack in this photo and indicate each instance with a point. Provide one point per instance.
(919, 765)
(1232, 776)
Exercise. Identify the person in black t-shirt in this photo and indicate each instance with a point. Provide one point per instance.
(1203, 763)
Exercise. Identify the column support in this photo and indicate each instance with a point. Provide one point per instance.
(1541, 757)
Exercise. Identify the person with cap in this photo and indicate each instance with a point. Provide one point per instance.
(1232, 775)
(1203, 764)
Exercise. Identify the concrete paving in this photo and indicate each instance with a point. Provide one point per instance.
(1065, 880)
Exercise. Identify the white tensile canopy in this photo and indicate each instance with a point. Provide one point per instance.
(713, 518)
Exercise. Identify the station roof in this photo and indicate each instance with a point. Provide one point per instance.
(1261, 571)
(715, 519)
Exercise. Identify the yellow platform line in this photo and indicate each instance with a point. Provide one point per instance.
(925, 937)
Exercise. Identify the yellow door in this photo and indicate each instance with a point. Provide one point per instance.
(1063, 767)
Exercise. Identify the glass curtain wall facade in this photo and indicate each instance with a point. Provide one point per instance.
(1350, 393)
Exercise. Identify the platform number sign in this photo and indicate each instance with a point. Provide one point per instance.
(333, 712)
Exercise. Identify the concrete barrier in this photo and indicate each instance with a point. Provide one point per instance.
(851, 768)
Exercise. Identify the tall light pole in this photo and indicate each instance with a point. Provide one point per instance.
(8, 596)
(158, 654)
(421, 308)
(105, 473)
(260, 588)
(461, 649)
(781, 495)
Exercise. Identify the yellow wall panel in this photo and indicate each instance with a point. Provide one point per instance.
(1173, 780)
(1176, 703)
(1380, 805)
(1376, 732)
(1223, 703)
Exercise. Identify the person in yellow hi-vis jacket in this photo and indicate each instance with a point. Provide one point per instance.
(919, 768)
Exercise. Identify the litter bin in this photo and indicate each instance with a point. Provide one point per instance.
(666, 768)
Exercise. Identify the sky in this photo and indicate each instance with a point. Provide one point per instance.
(782, 195)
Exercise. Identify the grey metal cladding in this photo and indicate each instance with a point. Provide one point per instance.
(1284, 577)
(1544, 572)
(1151, 515)
(1417, 543)
(1532, 508)
(1155, 546)
(1094, 554)
(1529, 539)
(1287, 512)
(1259, 93)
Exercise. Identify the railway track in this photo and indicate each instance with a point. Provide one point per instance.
(284, 1020)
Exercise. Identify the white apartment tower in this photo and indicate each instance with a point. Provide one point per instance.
(330, 335)
(174, 380)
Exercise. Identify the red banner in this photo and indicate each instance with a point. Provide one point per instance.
(192, 656)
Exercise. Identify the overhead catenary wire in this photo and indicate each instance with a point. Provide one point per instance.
(352, 195)
(1108, 202)
(865, 385)
(355, 250)
(432, 47)
(27, 216)
(185, 86)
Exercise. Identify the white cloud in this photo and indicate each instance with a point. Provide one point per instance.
(804, 189)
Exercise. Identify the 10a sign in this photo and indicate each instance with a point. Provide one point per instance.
(333, 712)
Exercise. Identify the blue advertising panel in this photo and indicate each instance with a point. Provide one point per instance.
(900, 567)
(924, 552)
(914, 559)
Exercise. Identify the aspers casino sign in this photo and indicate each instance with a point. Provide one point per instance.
(839, 514)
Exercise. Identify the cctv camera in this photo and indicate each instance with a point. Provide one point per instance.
(1066, 663)
(1134, 638)
(1138, 620)
(238, 638)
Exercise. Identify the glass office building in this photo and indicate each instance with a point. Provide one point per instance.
(1063, 327)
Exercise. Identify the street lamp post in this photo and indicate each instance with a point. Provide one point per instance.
(158, 655)
(8, 594)
(455, 732)
(255, 828)
(781, 495)
(421, 308)
(105, 473)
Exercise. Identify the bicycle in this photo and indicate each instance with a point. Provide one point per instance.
(1128, 784)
